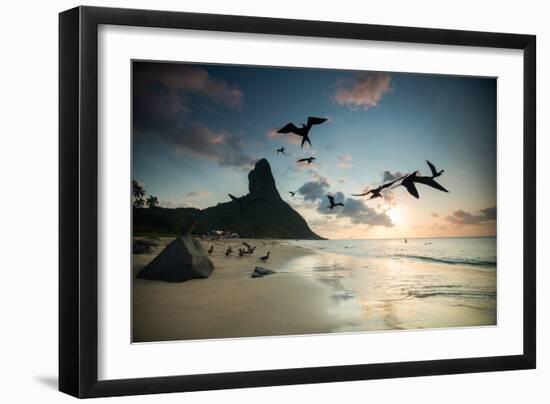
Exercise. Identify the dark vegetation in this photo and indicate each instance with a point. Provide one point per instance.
(265, 214)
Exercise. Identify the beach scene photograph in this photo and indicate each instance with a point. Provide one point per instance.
(277, 201)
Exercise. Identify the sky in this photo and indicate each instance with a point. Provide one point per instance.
(199, 128)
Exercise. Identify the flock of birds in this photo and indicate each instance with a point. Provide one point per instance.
(408, 180)
(248, 250)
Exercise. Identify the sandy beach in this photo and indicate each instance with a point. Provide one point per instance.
(313, 292)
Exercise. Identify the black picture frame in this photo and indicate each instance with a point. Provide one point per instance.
(78, 206)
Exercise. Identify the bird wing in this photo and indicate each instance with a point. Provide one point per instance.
(411, 188)
(389, 184)
(305, 139)
(232, 197)
(331, 199)
(289, 128)
(429, 182)
(363, 194)
(315, 121)
(300, 160)
(432, 167)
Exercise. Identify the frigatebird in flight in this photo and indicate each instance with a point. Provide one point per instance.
(308, 159)
(331, 202)
(409, 180)
(292, 193)
(435, 173)
(238, 200)
(302, 131)
(281, 150)
(376, 192)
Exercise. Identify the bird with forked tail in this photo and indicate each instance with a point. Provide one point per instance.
(302, 131)
(410, 179)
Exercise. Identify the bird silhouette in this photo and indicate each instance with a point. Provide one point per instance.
(410, 179)
(302, 131)
(331, 202)
(376, 192)
(292, 193)
(211, 249)
(238, 200)
(265, 257)
(249, 248)
(281, 150)
(308, 159)
(435, 173)
(228, 251)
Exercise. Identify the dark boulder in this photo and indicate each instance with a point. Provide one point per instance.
(260, 272)
(183, 258)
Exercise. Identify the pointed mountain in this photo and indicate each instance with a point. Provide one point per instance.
(265, 214)
(261, 184)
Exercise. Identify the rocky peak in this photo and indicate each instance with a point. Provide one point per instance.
(261, 183)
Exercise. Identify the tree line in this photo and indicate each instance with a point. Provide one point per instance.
(138, 195)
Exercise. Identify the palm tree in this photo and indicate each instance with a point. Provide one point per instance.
(138, 194)
(152, 201)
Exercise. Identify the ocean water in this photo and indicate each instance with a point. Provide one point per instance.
(478, 252)
(390, 284)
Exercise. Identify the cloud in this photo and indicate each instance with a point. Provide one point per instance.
(283, 137)
(359, 213)
(388, 176)
(344, 161)
(200, 141)
(161, 112)
(314, 190)
(364, 92)
(198, 194)
(461, 217)
(193, 199)
(343, 180)
(169, 85)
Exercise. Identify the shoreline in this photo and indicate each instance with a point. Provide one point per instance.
(313, 292)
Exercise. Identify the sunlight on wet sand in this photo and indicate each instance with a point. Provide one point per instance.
(313, 292)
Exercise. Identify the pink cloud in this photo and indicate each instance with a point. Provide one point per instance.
(344, 161)
(283, 137)
(365, 92)
(164, 87)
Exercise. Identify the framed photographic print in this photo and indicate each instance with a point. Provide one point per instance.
(250, 201)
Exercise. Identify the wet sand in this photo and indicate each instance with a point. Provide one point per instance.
(313, 292)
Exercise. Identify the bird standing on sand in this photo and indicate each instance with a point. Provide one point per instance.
(303, 131)
(265, 257)
(308, 159)
(331, 202)
(292, 193)
(435, 173)
(281, 150)
(376, 192)
(211, 249)
(228, 251)
(238, 200)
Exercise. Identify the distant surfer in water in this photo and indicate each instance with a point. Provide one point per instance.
(406, 241)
